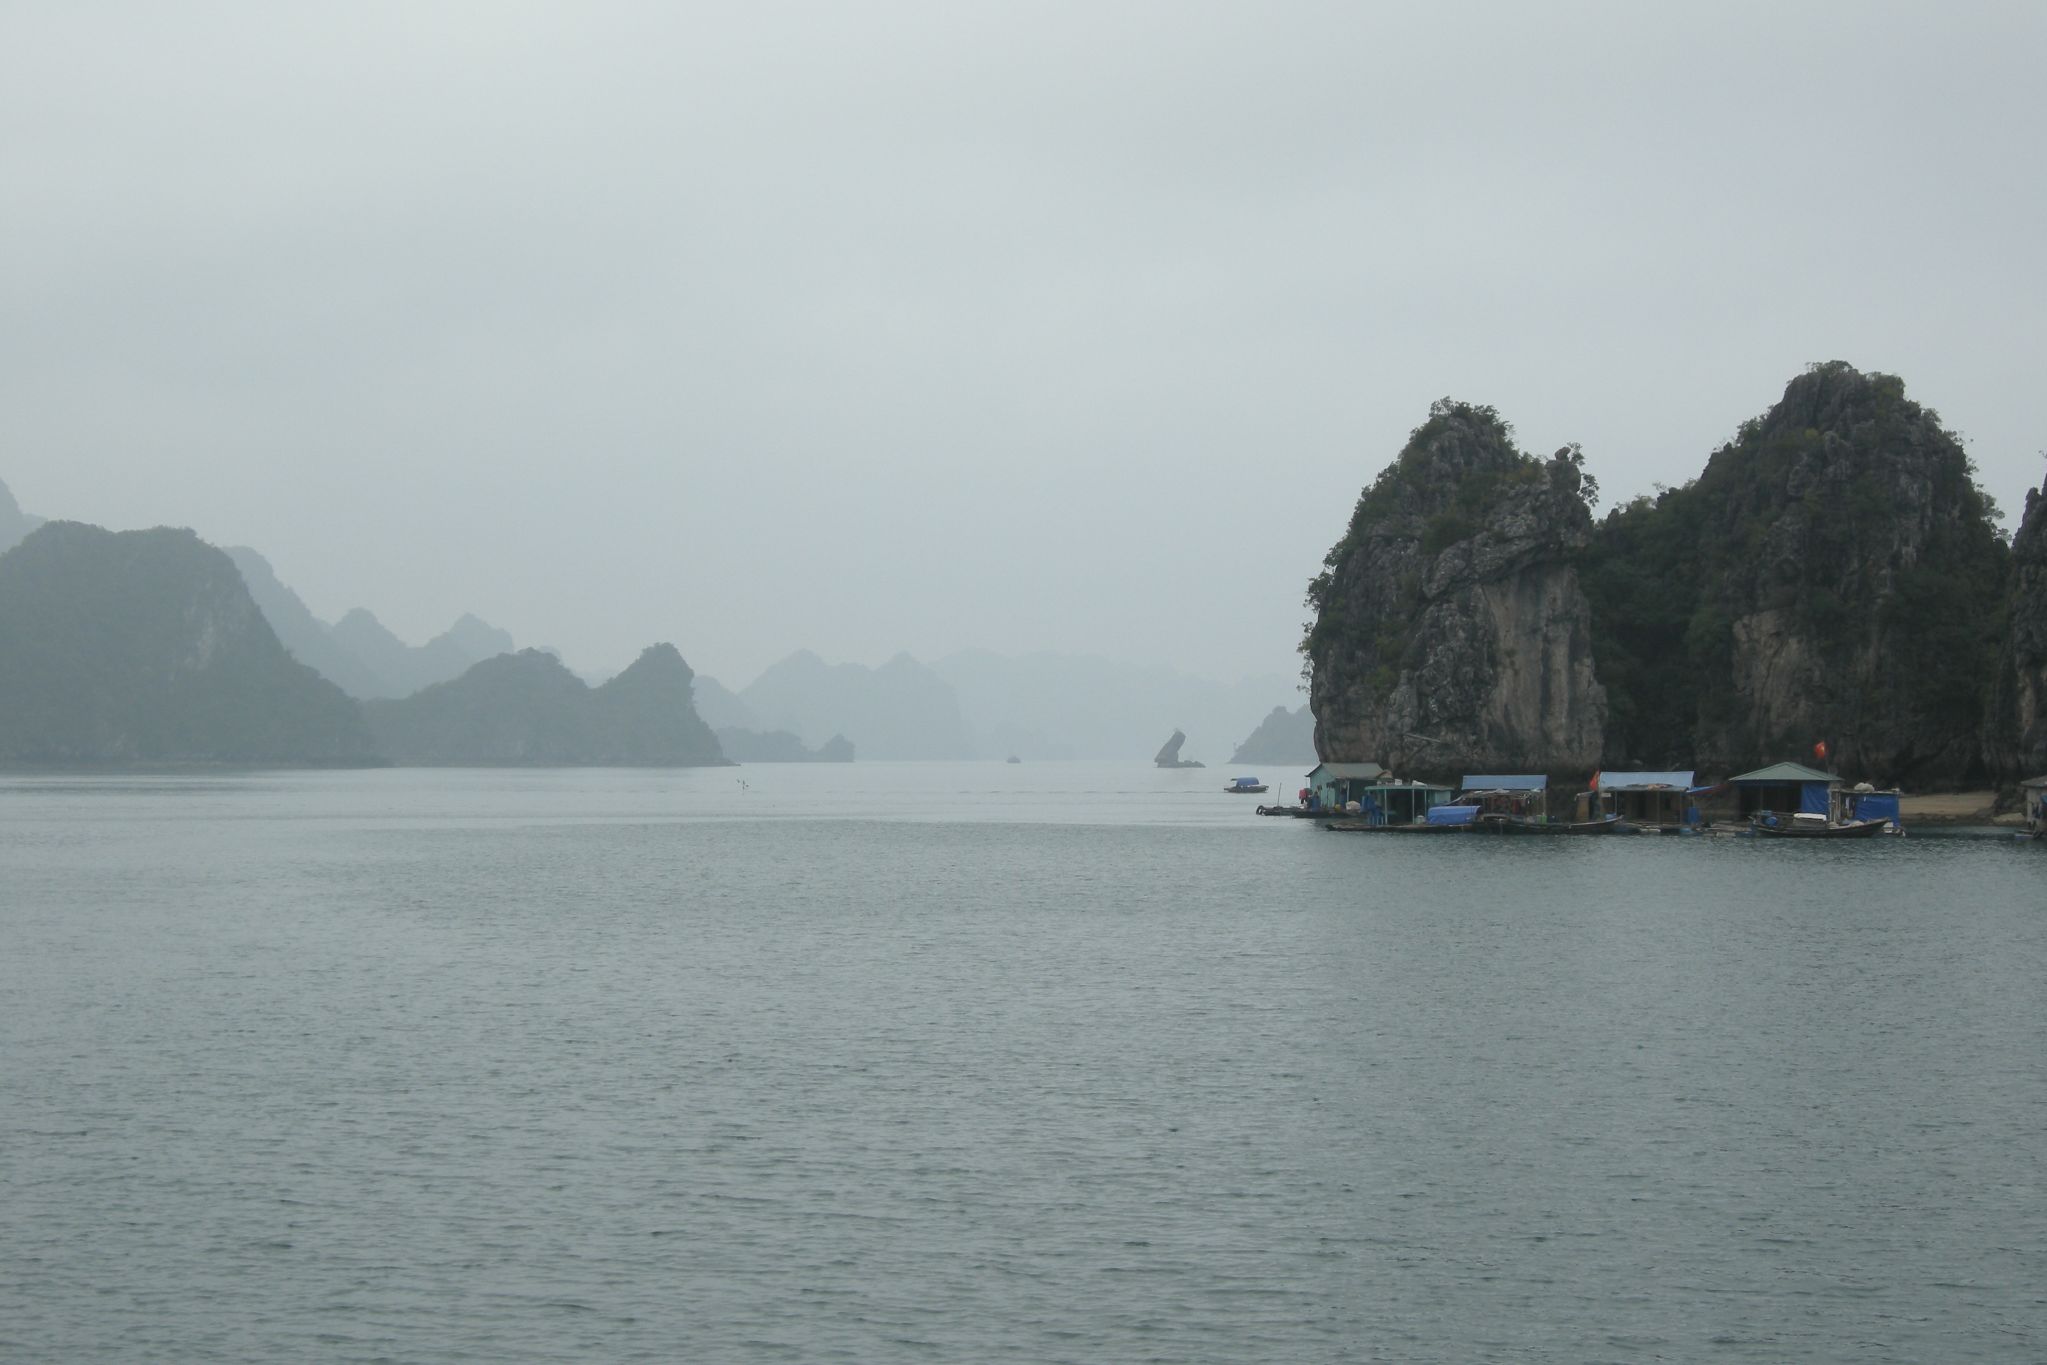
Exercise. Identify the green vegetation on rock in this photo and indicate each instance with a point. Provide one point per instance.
(1833, 575)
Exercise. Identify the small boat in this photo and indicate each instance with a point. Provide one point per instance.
(1012, 759)
(1245, 786)
(1506, 824)
(1770, 825)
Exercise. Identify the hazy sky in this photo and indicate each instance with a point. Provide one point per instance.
(875, 326)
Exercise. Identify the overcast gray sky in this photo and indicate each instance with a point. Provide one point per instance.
(880, 326)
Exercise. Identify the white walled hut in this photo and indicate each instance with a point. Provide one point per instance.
(1333, 785)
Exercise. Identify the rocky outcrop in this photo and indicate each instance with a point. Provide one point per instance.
(1282, 737)
(1450, 631)
(1168, 755)
(1832, 577)
(2018, 743)
(528, 708)
(145, 647)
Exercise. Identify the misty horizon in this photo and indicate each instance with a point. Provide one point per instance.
(909, 328)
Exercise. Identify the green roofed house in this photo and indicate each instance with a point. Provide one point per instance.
(1332, 785)
(1786, 789)
(1378, 799)
(1794, 789)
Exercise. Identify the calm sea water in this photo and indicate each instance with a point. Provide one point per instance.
(958, 1062)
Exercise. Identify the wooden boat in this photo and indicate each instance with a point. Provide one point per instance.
(1769, 825)
(1245, 786)
(1366, 827)
(1504, 824)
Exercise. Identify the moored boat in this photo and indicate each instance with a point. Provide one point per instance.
(1770, 825)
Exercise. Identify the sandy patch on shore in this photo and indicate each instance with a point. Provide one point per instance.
(1971, 808)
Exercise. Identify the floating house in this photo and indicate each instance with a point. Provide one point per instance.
(1522, 796)
(1380, 800)
(1794, 789)
(1331, 785)
(1787, 789)
(1661, 801)
(2035, 790)
(1864, 802)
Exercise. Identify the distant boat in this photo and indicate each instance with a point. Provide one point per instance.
(1245, 786)
(1012, 759)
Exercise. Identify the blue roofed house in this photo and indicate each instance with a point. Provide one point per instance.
(1651, 800)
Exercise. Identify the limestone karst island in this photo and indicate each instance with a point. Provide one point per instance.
(1833, 586)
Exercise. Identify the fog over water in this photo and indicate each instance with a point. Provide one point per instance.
(909, 326)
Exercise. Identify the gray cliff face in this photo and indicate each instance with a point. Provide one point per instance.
(1848, 558)
(2022, 677)
(1451, 632)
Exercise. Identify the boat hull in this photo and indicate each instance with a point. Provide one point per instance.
(1859, 829)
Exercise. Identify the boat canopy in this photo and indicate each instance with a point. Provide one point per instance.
(1452, 815)
(1510, 782)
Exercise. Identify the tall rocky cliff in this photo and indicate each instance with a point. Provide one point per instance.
(2019, 713)
(145, 647)
(1450, 630)
(1833, 576)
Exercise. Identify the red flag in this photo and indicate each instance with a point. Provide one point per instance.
(1820, 751)
(1595, 779)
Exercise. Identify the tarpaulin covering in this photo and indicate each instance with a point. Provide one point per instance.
(1813, 799)
(1452, 815)
(1875, 806)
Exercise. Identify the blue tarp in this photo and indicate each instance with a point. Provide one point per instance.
(1452, 815)
(1875, 806)
(1813, 799)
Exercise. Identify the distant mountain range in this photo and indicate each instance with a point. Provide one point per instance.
(984, 705)
(974, 704)
(357, 652)
(149, 647)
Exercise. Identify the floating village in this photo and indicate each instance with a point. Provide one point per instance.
(1781, 801)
